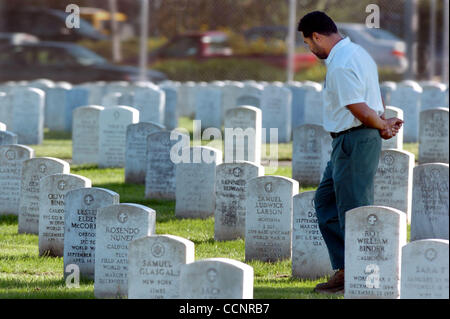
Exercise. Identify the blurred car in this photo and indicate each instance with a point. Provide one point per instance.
(17, 38)
(100, 19)
(201, 46)
(47, 24)
(386, 49)
(267, 33)
(63, 61)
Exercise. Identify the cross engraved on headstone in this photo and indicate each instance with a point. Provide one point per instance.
(42, 168)
(389, 160)
(122, 217)
(88, 199)
(237, 171)
(10, 155)
(430, 254)
(372, 219)
(211, 274)
(61, 185)
(268, 187)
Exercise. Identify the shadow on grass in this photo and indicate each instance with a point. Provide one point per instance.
(134, 193)
(9, 220)
(57, 135)
(290, 293)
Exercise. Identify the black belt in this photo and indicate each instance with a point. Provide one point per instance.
(334, 135)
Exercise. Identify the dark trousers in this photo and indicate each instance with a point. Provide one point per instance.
(347, 183)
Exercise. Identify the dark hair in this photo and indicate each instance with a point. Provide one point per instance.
(316, 21)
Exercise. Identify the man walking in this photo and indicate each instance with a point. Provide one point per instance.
(354, 116)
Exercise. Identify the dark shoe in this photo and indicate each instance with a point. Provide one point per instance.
(334, 285)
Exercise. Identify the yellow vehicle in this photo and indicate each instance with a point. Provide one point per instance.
(101, 21)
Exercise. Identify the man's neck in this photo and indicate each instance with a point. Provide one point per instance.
(334, 39)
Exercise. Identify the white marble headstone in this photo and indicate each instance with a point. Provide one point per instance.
(160, 169)
(374, 237)
(56, 106)
(386, 89)
(298, 103)
(393, 181)
(28, 115)
(310, 258)
(311, 152)
(186, 99)
(150, 102)
(433, 95)
(85, 134)
(154, 266)
(313, 103)
(250, 95)
(216, 278)
(5, 109)
(136, 150)
(276, 112)
(407, 97)
(111, 99)
(7, 137)
(170, 109)
(208, 106)
(117, 226)
(242, 129)
(33, 170)
(195, 181)
(80, 223)
(425, 270)
(231, 192)
(268, 220)
(52, 193)
(430, 202)
(12, 158)
(113, 123)
(230, 93)
(433, 136)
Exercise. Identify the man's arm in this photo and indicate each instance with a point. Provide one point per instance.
(383, 116)
(388, 128)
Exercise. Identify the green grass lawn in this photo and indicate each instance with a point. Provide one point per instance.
(23, 274)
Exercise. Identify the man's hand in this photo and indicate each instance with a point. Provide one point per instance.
(393, 125)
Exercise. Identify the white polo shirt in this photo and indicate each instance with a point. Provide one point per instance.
(352, 77)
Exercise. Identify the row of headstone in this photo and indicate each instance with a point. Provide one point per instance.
(286, 105)
(116, 245)
(413, 98)
(272, 204)
(379, 264)
(99, 134)
(311, 143)
(163, 266)
(113, 137)
(156, 103)
(268, 237)
(75, 221)
(433, 134)
(22, 112)
(419, 192)
(204, 188)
